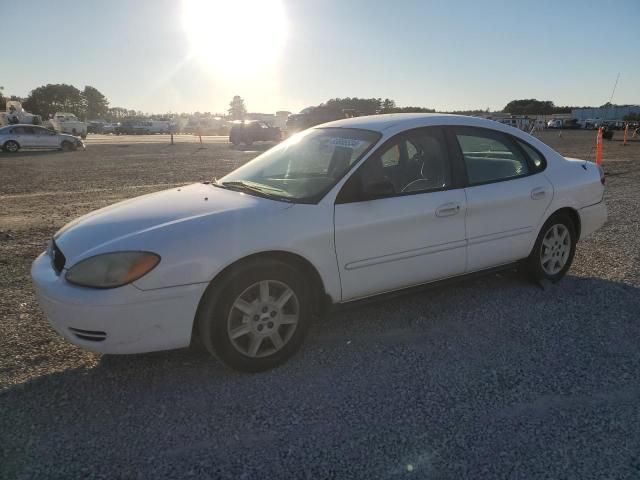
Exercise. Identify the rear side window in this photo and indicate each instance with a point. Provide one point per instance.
(537, 159)
(490, 156)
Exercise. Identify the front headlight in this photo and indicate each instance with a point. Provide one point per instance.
(111, 270)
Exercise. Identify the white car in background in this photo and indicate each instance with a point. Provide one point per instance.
(15, 137)
(340, 212)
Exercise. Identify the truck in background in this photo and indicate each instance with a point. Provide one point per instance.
(64, 122)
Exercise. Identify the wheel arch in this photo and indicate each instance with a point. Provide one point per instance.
(11, 140)
(321, 299)
(573, 214)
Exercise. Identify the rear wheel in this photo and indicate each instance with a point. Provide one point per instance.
(11, 146)
(554, 249)
(257, 318)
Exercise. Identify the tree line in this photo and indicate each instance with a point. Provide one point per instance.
(91, 104)
(88, 103)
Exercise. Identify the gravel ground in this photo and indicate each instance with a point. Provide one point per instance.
(489, 378)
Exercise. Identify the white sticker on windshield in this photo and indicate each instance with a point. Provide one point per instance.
(346, 142)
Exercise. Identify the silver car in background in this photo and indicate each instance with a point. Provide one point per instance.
(15, 137)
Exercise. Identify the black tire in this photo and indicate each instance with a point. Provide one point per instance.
(67, 146)
(534, 263)
(11, 146)
(84, 135)
(247, 141)
(216, 305)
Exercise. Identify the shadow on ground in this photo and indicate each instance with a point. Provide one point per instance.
(490, 377)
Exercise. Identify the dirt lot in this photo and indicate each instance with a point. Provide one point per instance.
(488, 378)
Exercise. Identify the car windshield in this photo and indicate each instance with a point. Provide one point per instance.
(304, 167)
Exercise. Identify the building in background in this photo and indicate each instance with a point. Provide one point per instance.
(615, 112)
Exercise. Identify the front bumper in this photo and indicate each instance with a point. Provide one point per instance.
(119, 320)
(592, 218)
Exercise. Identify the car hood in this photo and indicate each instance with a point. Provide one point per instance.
(105, 229)
(68, 136)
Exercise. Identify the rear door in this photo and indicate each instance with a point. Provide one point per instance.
(415, 233)
(45, 138)
(27, 137)
(14, 133)
(507, 196)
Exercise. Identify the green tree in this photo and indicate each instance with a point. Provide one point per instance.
(412, 110)
(387, 106)
(95, 103)
(52, 98)
(2, 99)
(237, 109)
(115, 114)
(531, 106)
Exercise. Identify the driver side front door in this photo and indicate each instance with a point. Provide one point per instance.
(411, 236)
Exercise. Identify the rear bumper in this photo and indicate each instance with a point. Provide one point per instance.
(119, 320)
(592, 218)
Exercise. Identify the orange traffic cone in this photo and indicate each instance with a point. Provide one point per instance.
(599, 147)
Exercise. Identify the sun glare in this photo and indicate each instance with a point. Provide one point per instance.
(235, 37)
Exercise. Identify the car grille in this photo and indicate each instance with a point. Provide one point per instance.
(57, 258)
(89, 335)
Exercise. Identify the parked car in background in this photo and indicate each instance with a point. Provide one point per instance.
(126, 128)
(250, 131)
(143, 127)
(566, 124)
(15, 137)
(344, 211)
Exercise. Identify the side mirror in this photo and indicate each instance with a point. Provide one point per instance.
(378, 189)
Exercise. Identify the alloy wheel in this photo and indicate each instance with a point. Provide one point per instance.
(263, 318)
(555, 249)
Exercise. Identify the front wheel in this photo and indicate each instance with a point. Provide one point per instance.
(11, 146)
(257, 318)
(554, 249)
(68, 146)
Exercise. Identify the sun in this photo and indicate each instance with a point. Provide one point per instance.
(235, 37)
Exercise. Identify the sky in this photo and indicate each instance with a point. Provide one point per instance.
(194, 55)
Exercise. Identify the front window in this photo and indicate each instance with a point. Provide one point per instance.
(304, 167)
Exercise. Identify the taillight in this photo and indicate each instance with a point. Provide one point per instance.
(601, 174)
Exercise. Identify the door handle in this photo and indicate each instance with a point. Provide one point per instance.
(447, 209)
(538, 193)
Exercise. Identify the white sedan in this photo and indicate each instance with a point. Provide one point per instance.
(340, 212)
(15, 137)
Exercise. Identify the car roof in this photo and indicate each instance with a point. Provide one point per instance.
(395, 122)
(7, 127)
(22, 125)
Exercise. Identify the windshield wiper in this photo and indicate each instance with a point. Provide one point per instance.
(250, 187)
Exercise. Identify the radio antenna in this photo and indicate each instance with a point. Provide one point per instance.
(614, 88)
